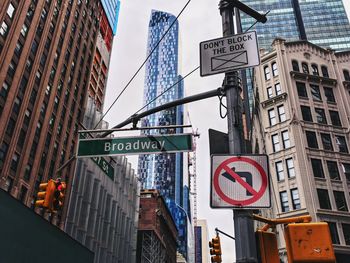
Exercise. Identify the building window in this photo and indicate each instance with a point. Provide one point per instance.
(311, 139)
(290, 168)
(4, 90)
(8, 184)
(341, 142)
(346, 75)
(301, 89)
(14, 162)
(281, 113)
(305, 68)
(328, 92)
(10, 10)
(334, 232)
(314, 70)
(274, 69)
(315, 92)
(272, 117)
(279, 170)
(326, 142)
(269, 92)
(323, 198)
(3, 29)
(333, 170)
(295, 65)
(324, 70)
(3, 152)
(24, 30)
(346, 231)
(306, 112)
(320, 116)
(23, 194)
(267, 73)
(317, 168)
(340, 201)
(284, 201)
(346, 170)
(275, 143)
(295, 198)
(278, 89)
(335, 118)
(286, 140)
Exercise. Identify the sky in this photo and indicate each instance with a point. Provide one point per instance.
(199, 22)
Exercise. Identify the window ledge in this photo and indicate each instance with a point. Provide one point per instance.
(313, 78)
(276, 99)
(346, 84)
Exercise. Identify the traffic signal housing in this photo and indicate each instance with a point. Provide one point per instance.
(267, 247)
(45, 194)
(58, 196)
(215, 249)
(309, 242)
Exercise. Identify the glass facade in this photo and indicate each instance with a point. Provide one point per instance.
(164, 172)
(111, 8)
(322, 22)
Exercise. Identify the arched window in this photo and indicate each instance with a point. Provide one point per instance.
(314, 70)
(305, 68)
(324, 71)
(267, 73)
(274, 69)
(346, 75)
(295, 65)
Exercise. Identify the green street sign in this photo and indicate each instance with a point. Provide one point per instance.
(104, 166)
(166, 143)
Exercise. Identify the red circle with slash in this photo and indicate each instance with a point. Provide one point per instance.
(256, 194)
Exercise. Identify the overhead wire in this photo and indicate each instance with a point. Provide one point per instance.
(144, 62)
(166, 90)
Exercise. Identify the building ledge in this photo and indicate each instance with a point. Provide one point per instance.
(274, 100)
(313, 78)
(326, 214)
(346, 84)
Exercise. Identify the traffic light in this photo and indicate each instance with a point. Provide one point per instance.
(309, 242)
(267, 247)
(45, 194)
(215, 249)
(58, 196)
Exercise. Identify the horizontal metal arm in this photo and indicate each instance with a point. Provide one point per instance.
(136, 117)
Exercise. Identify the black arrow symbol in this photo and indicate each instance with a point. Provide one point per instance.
(248, 178)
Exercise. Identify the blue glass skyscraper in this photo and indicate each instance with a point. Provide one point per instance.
(164, 172)
(111, 8)
(322, 22)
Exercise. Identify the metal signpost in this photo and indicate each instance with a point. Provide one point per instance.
(239, 181)
(229, 53)
(134, 145)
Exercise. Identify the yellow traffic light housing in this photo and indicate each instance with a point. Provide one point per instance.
(306, 242)
(215, 249)
(267, 247)
(58, 196)
(45, 194)
(309, 242)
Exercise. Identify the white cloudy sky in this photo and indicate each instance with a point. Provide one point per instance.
(200, 21)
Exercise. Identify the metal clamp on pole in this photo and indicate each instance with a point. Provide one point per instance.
(249, 11)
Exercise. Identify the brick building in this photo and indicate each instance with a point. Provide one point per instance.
(46, 54)
(157, 233)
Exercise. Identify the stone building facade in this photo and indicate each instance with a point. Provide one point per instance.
(301, 120)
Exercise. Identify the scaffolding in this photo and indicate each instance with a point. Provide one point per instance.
(192, 161)
(152, 249)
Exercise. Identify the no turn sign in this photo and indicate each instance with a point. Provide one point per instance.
(239, 181)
